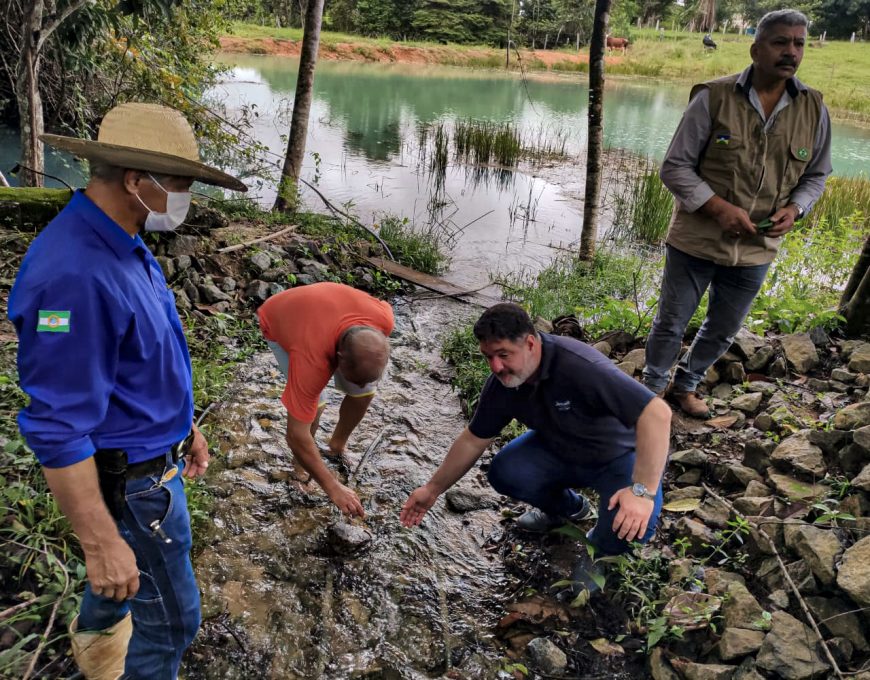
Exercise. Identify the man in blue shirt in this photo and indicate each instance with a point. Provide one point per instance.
(103, 357)
(590, 425)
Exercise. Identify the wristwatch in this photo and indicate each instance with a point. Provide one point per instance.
(641, 491)
(800, 211)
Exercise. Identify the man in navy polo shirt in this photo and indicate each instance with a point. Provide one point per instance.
(590, 425)
(103, 357)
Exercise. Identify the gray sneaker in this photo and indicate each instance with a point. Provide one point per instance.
(538, 521)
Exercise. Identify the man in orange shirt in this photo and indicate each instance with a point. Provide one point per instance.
(318, 332)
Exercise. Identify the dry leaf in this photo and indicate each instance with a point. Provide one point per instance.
(682, 505)
(606, 648)
(723, 421)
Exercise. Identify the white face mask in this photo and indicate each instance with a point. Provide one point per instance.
(177, 206)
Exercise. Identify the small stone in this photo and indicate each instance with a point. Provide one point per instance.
(842, 375)
(722, 391)
(603, 347)
(779, 599)
(167, 266)
(718, 581)
(829, 441)
(210, 293)
(690, 458)
(854, 574)
(713, 513)
(837, 619)
(696, 532)
(258, 291)
(756, 453)
(861, 437)
(772, 536)
(862, 481)
(741, 609)
(817, 385)
(849, 346)
(685, 492)
(691, 476)
(819, 548)
(793, 489)
(764, 422)
(626, 367)
(183, 244)
(757, 489)
(260, 262)
(734, 373)
(191, 291)
(853, 416)
(659, 667)
(460, 499)
(275, 288)
(706, 671)
(859, 359)
(802, 576)
(853, 458)
(746, 344)
(228, 284)
(637, 357)
(711, 377)
(799, 454)
(182, 263)
(819, 337)
(348, 539)
(753, 505)
(318, 270)
(738, 642)
(789, 650)
(547, 656)
(759, 361)
(841, 649)
(680, 569)
(768, 389)
(800, 352)
(778, 369)
(735, 474)
(748, 403)
(746, 671)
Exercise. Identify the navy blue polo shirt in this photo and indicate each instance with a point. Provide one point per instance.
(583, 407)
(101, 350)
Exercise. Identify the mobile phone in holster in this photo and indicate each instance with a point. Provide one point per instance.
(112, 471)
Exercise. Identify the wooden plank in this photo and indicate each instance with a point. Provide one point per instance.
(432, 283)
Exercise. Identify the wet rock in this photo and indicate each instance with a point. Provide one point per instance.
(461, 499)
(746, 343)
(183, 244)
(756, 453)
(853, 458)
(789, 650)
(748, 403)
(759, 361)
(603, 347)
(691, 477)
(836, 618)
(741, 609)
(829, 441)
(690, 458)
(854, 574)
(800, 352)
(705, 671)
(738, 642)
(685, 492)
(753, 505)
(735, 474)
(859, 359)
(210, 293)
(547, 656)
(713, 513)
(722, 391)
(843, 376)
(626, 367)
(861, 437)
(794, 489)
(778, 369)
(819, 548)
(259, 262)
(182, 263)
(757, 489)
(637, 357)
(348, 539)
(696, 532)
(862, 481)
(734, 373)
(853, 416)
(797, 453)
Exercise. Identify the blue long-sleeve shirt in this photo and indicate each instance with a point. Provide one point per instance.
(101, 352)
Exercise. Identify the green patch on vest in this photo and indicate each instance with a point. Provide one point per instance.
(803, 153)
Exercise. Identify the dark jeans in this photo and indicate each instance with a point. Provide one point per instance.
(526, 469)
(686, 278)
(166, 612)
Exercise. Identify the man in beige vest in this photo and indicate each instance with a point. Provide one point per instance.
(749, 158)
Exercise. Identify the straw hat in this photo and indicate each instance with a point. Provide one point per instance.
(147, 137)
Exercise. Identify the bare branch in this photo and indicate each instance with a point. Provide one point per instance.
(52, 26)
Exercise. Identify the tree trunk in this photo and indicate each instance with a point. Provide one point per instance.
(29, 99)
(301, 108)
(596, 130)
(855, 303)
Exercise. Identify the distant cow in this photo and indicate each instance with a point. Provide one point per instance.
(617, 43)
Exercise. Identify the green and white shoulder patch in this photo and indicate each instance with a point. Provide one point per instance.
(53, 321)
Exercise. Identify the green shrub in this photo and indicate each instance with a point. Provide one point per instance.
(420, 250)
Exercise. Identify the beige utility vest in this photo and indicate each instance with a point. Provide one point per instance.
(751, 168)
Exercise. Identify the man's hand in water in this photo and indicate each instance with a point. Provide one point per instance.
(345, 500)
(417, 505)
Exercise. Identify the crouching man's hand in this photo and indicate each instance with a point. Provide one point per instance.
(631, 521)
(417, 505)
(196, 460)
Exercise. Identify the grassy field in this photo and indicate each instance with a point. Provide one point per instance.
(839, 69)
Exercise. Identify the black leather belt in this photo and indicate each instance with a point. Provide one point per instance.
(156, 465)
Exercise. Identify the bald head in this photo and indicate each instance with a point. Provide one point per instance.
(363, 353)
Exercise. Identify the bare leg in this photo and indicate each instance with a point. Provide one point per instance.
(349, 416)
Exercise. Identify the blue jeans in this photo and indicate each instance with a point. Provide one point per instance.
(165, 611)
(526, 469)
(686, 278)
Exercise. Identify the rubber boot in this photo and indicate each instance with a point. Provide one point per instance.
(100, 654)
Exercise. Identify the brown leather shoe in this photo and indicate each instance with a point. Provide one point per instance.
(691, 403)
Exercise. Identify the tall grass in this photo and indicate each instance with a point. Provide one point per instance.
(484, 142)
(843, 198)
(642, 205)
(422, 250)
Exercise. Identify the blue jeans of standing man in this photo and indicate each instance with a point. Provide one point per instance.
(165, 611)
(686, 278)
(526, 469)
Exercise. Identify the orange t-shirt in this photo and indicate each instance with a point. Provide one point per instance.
(307, 323)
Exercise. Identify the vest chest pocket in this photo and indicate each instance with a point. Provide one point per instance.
(799, 154)
(721, 163)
